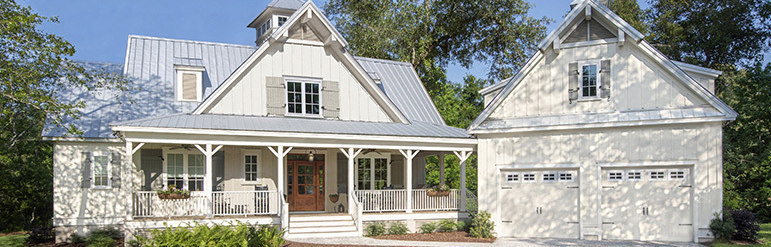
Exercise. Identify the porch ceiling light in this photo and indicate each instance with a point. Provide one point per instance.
(310, 156)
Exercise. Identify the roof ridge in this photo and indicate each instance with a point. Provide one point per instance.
(384, 61)
(147, 118)
(188, 41)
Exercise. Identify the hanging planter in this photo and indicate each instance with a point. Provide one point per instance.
(334, 198)
(440, 190)
(173, 193)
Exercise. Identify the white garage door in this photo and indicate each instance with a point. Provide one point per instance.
(647, 204)
(539, 204)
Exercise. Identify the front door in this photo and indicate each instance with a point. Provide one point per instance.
(305, 185)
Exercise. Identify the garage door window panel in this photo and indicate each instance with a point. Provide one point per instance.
(528, 177)
(657, 175)
(615, 176)
(512, 177)
(549, 177)
(633, 175)
(566, 176)
(677, 175)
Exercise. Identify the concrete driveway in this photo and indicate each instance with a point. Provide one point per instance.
(525, 242)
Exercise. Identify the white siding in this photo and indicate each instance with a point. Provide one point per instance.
(247, 96)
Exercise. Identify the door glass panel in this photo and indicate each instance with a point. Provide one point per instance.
(289, 179)
(363, 179)
(321, 179)
(381, 173)
(301, 189)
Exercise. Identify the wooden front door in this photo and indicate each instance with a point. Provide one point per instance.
(305, 185)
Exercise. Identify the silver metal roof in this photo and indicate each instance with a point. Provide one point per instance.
(403, 86)
(297, 125)
(286, 4)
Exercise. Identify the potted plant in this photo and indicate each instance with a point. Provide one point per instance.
(440, 190)
(334, 197)
(173, 193)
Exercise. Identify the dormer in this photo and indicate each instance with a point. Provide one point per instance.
(275, 14)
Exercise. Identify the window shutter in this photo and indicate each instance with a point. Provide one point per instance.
(189, 90)
(115, 166)
(85, 181)
(605, 79)
(276, 95)
(573, 86)
(330, 97)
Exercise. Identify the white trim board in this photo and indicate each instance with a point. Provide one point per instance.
(414, 216)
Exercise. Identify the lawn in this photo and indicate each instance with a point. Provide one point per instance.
(764, 237)
(13, 240)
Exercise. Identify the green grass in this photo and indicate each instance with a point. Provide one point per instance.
(13, 240)
(764, 237)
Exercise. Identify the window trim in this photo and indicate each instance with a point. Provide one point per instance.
(627, 178)
(535, 177)
(610, 176)
(506, 177)
(685, 174)
(109, 167)
(597, 85)
(650, 175)
(180, 71)
(255, 152)
(372, 156)
(303, 80)
(185, 167)
(553, 173)
(573, 175)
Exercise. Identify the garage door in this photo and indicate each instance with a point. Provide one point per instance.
(539, 204)
(647, 204)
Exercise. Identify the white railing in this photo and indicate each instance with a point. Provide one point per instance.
(356, 213)
(382, 200)
(147, 204)
(244, 202)
(472, 203)
(284, 215)
(422, 202)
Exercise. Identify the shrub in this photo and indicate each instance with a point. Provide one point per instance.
(41, 234)
(76, 239)
(481, 226)
(446, 225)
(746, 223)
(110, 231)
(722, 227)
(267, 235)
(398, 228)
(462, 225)
(100, 239)
(428, 228)
(134, 243)
(376, 229)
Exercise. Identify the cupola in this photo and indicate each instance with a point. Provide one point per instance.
(275, 14)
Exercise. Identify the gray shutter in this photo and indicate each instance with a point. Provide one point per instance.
(85, 181)
(115, 166)
(218, 170)
(330, 97)
(276, 95)
(152, 166)
(605, 79)
(573, 86)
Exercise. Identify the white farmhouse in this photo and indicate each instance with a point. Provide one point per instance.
(261, 134)
(600, 136)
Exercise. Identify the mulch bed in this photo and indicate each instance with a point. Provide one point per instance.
(438, 237)
(298, 244)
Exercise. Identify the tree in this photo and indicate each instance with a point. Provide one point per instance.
(431, 34)
(711, 33)
(33, 66)
(631, 12)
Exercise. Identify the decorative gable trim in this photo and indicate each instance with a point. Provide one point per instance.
(307, 12)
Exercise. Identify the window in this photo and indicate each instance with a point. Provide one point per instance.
(263, 28)
(282, 20)
(250, 167)
(589, 80)
(373, 172)
(512, 177)
(189, 83)
(185, 170)
(528, 177)
(100, 167)
(633, 175)
(657, 175)
(677, 175)
(303, 97)
(615, 176)
(566, 176)
(549, 177)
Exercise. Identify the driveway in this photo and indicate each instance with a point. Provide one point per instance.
(525, 242)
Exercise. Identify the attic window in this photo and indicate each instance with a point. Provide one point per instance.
(282, 20)
(189, 84)
(264, 28)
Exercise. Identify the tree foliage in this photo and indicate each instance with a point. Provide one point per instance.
(631, 12)
(33, 66)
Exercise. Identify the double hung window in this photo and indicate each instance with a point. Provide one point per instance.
(589, 80)
(100, 167)
(303, 97)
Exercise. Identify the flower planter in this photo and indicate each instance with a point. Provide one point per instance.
(334, 198)
(435, 193)
(173, 196)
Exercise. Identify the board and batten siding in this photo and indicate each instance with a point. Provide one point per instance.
(700, 142)
(637, 82)
(248, 96)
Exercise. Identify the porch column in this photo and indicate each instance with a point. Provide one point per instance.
(409, 154)
(127, 176)
(351, 155)
(463, 156)
(279, 152)
(441, 168)
(208, 182)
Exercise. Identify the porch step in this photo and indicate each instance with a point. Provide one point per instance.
(317, 226)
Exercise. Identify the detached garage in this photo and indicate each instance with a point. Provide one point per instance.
(539, 203)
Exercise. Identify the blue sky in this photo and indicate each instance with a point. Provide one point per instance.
(99, 29)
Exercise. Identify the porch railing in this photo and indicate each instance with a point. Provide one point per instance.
(356, 213)
(396, 200)
(422, 202)
(147, 204)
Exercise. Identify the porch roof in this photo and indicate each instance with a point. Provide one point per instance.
(294, 125)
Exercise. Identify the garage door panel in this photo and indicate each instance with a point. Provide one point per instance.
(539, 208)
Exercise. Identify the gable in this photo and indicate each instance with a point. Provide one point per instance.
(588, 30)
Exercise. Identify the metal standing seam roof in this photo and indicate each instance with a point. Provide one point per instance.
(286, 4)
(297, 125)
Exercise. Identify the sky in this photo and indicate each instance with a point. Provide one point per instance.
(99, 29)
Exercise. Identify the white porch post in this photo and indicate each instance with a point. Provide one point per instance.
(209, 180)
(463, 156)
(351, 155)
(127, 177)
(441, 168)
(409, 154)
(279, 152)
